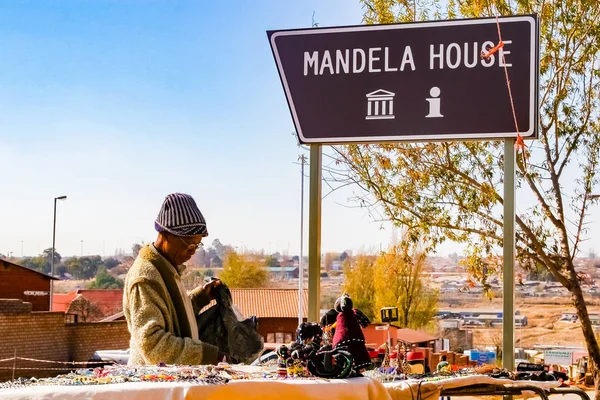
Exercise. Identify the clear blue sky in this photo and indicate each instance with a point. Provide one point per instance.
(115, 104)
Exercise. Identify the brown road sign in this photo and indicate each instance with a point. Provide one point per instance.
(410, 82)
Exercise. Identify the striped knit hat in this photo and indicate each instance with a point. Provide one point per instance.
(180, 216)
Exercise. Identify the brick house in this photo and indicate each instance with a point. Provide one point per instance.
(89, 304)
(18, 282)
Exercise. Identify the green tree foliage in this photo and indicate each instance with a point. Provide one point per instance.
(272, 262)
(360, 285)
(84, 267)
(47, 254)
(42, 263)
(454, 190)
(39, 263)
(110, 262)
(104, 280)
(243, 271)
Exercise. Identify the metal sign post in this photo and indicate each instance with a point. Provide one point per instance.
(508, 243)
(314, 234)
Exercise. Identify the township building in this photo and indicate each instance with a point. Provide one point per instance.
(17, 282)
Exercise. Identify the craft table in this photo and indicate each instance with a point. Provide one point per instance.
(351, 389)
(477, 385)
(291, 389)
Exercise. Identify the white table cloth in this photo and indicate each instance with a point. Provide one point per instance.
(264, 389)
(342, 389)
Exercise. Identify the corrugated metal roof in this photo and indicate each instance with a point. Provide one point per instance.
(268, 303)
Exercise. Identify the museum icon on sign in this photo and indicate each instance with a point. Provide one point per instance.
(380, 105)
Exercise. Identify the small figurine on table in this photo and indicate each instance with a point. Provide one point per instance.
(283, 355)
(293, 358)
(349, 336)
(310, 337)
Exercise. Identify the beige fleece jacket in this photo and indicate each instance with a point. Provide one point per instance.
(153, 322)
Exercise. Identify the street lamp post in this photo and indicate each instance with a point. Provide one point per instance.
(53, 244)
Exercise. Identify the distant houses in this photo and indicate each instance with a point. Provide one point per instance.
(452, 319)
(283, 272)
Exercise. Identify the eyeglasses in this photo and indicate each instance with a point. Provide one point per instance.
(190, 245)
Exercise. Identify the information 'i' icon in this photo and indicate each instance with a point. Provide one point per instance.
(434, 103)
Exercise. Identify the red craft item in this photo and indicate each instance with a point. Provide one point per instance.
(415, 356)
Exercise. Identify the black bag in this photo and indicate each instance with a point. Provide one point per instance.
(219, 326)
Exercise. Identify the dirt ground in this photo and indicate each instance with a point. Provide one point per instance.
(543, 323)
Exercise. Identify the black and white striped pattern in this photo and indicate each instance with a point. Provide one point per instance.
(180, 216)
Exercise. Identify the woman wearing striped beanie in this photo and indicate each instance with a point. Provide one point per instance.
(160, 314)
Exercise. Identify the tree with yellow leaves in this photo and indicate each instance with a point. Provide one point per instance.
(243, 271)
(359, 284)
(394, 279)
(398, 282)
